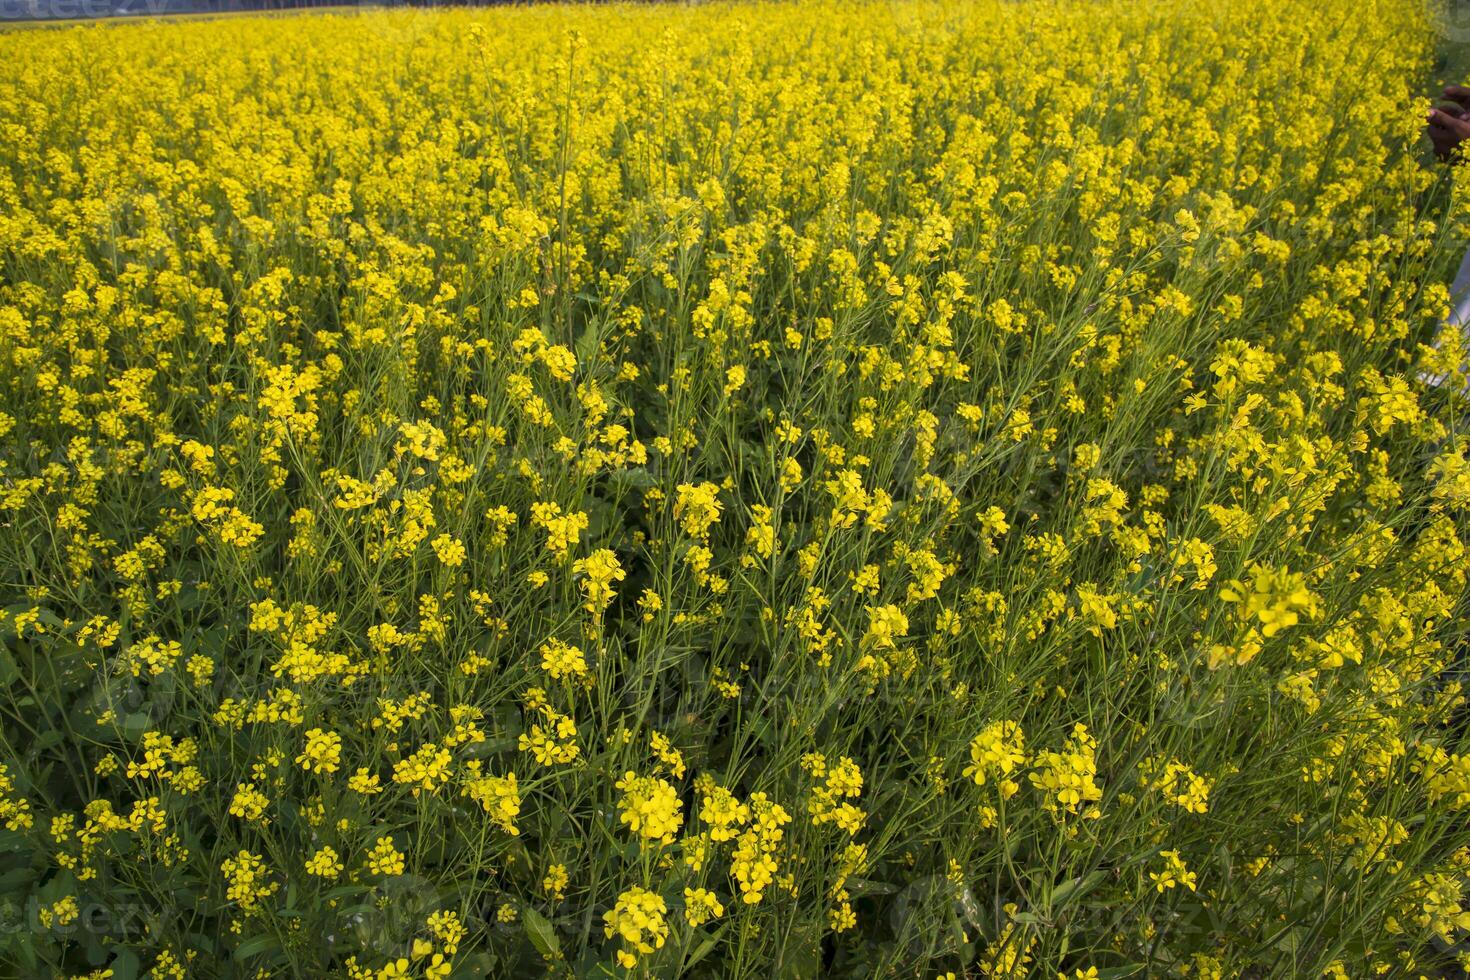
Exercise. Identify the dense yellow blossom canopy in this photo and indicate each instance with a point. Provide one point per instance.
(734, 490)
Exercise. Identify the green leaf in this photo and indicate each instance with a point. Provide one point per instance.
(1074, 888)
(256, 946)
(476, 966)
(635, 477)
(706, 946)
(125, 966)
(48, 739)
(800, 959)
(864, 886)
(586, 345)
(12, 880)
(542, 936)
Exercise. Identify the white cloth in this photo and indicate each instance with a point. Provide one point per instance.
(1459, 317)
(1460, 295)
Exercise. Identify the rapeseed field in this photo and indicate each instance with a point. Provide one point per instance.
(739, 490)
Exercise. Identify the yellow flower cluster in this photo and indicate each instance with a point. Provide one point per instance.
(638, 921)
(650, 807)
(249, 880)
(995, 753)
(499, 795)
(1067, 776)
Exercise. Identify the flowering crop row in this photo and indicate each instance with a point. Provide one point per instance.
(744, 490)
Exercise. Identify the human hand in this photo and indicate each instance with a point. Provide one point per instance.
(1460, 95)
(1450, 126)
